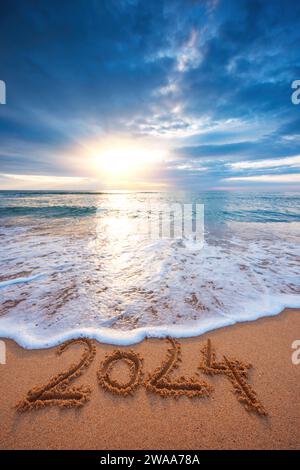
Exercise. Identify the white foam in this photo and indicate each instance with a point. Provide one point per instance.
(109, 285)
(24, 337)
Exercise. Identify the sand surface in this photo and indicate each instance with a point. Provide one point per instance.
(145, 419)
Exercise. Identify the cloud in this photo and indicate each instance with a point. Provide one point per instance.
(286, 178)
(9, 181)
(211, 79)
(293, 162)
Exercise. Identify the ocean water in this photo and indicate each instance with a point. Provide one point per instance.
(85, 264)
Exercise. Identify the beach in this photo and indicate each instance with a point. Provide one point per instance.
(147, 420)
(149, 230)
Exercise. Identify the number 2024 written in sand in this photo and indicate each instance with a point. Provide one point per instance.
(59, 390)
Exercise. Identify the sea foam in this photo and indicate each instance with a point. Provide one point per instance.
(109, 284)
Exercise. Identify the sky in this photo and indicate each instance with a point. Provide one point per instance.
(138, 94)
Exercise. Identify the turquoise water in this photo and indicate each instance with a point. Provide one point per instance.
(221, 206)
(76, 264)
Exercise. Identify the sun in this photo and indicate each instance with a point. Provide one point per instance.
(125, 160)
(122, 160)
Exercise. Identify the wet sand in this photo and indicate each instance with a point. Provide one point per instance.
(213, 416)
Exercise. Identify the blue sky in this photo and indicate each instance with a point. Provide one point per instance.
(208, 82)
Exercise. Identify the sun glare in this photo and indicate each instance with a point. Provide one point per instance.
(120, 161)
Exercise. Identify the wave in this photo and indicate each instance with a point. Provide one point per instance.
(48, 211)
(104, 278)
(261, 216)
(60, 211)
(25, 337)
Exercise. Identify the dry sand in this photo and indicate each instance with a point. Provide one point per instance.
(145, 419)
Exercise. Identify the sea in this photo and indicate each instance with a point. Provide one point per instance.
(103, 265)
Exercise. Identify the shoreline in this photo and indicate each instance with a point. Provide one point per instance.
(133, 337)
(215, 419)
